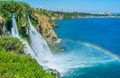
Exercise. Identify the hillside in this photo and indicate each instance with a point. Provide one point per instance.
(13, 62)
(22, 10)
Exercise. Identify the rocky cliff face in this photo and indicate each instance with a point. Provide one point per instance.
(1, 25)
(46, 29)
(24, 27)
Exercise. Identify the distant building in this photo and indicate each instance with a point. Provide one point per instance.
(108, 13)
(60, 9)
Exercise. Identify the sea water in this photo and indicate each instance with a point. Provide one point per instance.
(92, 47)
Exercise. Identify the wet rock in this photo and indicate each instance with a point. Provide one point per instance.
(54, 72)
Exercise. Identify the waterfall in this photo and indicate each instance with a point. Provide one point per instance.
(14, 30)
(39, 45)
(15, 33)
(40, 50)
(85, 56)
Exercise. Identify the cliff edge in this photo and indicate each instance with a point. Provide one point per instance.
(46, 28)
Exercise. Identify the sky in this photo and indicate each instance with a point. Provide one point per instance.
(90, 6)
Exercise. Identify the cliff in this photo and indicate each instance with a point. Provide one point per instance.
(40, 18)
(12, 50)
(46, 28)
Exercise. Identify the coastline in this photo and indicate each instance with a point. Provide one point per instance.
(46, 25)
(87, 17)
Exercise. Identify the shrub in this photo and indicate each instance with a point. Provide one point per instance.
(20, 66)
(11, 44)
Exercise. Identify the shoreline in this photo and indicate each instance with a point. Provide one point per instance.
(88, 17)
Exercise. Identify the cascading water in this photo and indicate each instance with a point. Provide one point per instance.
(63, 62)
(14, 30)
(79, 55)
(40, 48)
(39, 45)
(85, 56)
(15, 33)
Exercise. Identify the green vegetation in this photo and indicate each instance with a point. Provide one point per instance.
(68, 15)
(11, 44)
(21, 10)
(20, 66)
(13, 64)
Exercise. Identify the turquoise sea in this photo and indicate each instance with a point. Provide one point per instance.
(93, 45)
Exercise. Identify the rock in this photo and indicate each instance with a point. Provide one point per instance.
(45, 28)
(53, 18)
(24, 28)
(54, 25)
(1, 25)
(54, 72)
(57, 41)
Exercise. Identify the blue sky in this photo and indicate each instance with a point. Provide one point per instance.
(78, 5)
